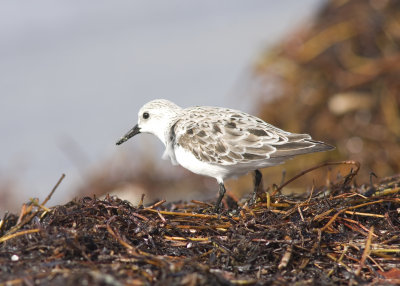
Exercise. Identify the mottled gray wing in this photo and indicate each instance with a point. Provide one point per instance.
(229, 137)
(298, 144)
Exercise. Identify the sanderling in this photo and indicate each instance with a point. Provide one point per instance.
(220, 142)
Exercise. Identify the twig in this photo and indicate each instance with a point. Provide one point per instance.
(202, 203)
(386, 192)
(376, 263)
(359, 224)
(191, 214)
(366, 251)
(116, 235)
(385, 250)
(10, 236)
(286, 257)
(339, 261)
(364, 214)
(357, 164)
(365, 204)
(301, 214)
(53, 190)
(161, 217)
(140, 204)
(28, 219)
(334, 217)
(178, 238)
(155, 205)
(199, 227)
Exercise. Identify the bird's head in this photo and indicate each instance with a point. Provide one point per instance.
(155, 117)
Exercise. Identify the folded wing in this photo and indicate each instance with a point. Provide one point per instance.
(230, 137)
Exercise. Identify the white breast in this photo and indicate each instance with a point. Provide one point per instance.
(187, 160)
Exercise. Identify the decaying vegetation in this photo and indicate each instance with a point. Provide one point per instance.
(338, 80)
(339, 233)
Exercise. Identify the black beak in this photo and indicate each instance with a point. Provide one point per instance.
(135, 130)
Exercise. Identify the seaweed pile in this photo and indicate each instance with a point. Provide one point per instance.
(340, 233)
(338, 80)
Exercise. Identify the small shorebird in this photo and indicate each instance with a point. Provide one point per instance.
(220, 142)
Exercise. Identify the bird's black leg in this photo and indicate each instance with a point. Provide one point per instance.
(257, 182)
(221, 195)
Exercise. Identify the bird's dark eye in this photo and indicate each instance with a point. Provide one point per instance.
(146, 115)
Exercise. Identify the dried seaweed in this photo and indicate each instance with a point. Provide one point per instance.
(340, 233)
(338, 80)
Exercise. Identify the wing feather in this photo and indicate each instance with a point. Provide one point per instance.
(230, 137)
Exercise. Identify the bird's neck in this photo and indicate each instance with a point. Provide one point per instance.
(165, 129)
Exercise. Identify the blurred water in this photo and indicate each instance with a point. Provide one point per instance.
(73, 74)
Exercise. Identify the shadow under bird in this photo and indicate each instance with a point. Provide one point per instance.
(220, 142)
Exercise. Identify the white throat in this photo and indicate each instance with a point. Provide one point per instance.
(164, 130)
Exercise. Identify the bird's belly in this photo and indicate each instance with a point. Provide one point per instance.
(187, 160)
